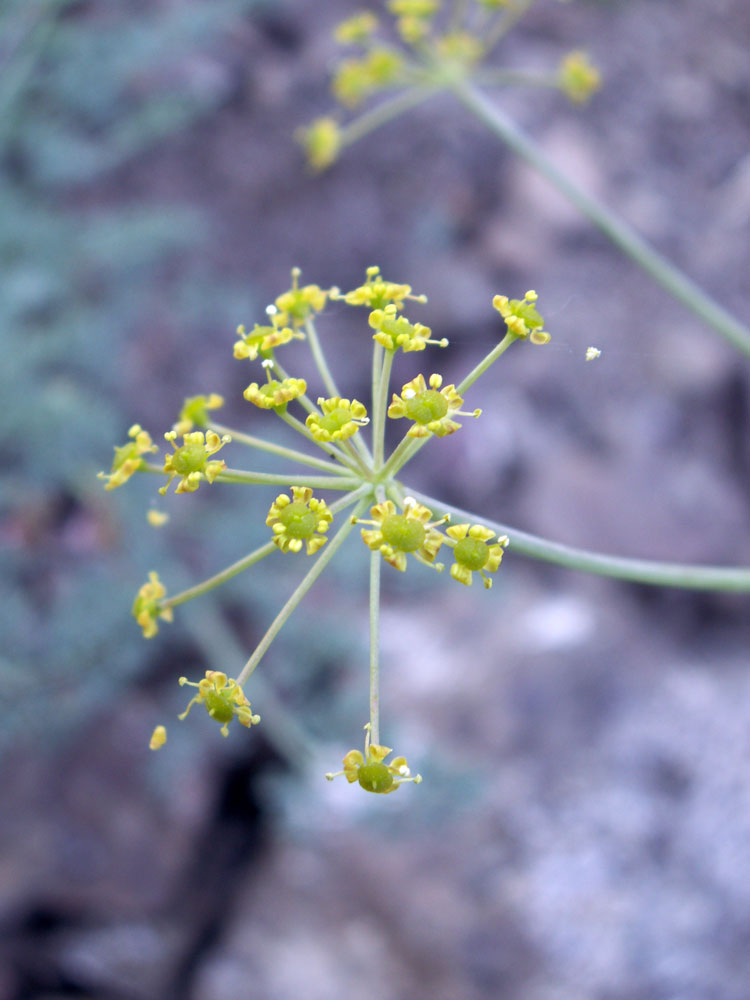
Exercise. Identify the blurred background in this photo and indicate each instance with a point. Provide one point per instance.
(583, 829)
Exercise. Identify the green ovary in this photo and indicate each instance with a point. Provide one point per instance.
(218, 707)
(375, 777)
(403, 533)
(334, 421)
(298, 520)
(189, 458)
(471, 553)
(426, 407)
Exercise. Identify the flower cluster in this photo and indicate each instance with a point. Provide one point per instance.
(437, 50)
(398, 527)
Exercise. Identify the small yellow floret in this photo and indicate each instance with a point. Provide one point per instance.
(157, 518)
(394, 331)
(473, 553)
(263, 339)
(128, 457)
(147, 607)
(340, 419)
(192, 462)
(357, 79)
(195, 411)
(396, 535)
(370, 770)
(431, 410)
(158, 738)
(578, 78)
(522, 318)
(224, 700)
(356, 29)
(376, 293)
(321, 141)
(299, 521)
(274, 394)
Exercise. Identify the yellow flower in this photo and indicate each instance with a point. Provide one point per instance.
(473, 554)
(195, 411)
(340, 419)
(357, 29)
(298, 304)
(157, 518)
(394, 331)
(128, 457)
(301, 520)
(460, 48)
(321, 141)
(432, 410)
(192, 460)
(521, 317)
(262, 340)
(397, 535)
(147, 607)
(371, 771)
(578, 78)
(357, 79)
(224, 700)
(273, 394)
(158, 738)
(376, 293)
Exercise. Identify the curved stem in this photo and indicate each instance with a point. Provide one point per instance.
(283, 616)
(625, 238)
(375, 561)
(635, 570)
(276, 449)
(273, 479)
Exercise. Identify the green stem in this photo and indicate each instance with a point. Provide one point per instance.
(385, 112)
(329, 449)
(485, 363)
(219, 647)
(507, 20)
(409, 446)
(273, 479)
(635, 570)
(283, 616)
(664, 273)
(380, 404)
(249, 560)
(276, 449)
(330, 383)
(375, 561)
(215, 581)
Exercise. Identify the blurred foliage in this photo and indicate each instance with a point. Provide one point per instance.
(85, 87)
